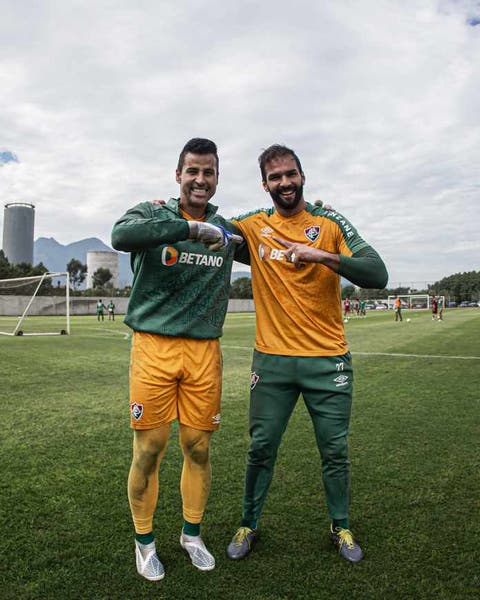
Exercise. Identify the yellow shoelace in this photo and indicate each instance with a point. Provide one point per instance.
(241, 535)
(345, 536)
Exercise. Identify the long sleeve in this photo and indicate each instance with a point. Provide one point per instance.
(142, 227)
(364, 268)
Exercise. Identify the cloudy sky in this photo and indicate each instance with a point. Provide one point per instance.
(380, 99)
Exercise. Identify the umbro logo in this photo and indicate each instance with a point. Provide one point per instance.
(266, 231)
(341, 380)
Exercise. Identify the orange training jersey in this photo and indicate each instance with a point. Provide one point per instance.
(298, 311)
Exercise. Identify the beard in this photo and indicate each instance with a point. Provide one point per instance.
(287, 204)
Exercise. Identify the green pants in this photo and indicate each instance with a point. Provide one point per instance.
(326, 384)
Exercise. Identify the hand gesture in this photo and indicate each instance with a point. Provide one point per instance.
(215, 237)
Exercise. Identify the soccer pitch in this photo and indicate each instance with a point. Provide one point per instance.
(66, 447)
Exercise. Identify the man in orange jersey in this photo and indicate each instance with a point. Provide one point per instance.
(397, 305)
(298, 252)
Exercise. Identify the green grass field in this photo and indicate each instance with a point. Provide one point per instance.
(65, 452)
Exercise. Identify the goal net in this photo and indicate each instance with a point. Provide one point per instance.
(38, 305)
(414, 300)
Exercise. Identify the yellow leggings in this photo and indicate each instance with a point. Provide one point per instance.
(143, 481)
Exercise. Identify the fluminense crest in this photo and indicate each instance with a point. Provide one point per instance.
(312, 233)
(137, 410)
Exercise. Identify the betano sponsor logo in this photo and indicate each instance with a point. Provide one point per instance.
(267, 253)
(171, 256)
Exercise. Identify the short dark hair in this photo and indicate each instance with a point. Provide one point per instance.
(276, 151)
(198, 146)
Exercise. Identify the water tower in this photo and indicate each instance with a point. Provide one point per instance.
(18, 224)
(105, 259)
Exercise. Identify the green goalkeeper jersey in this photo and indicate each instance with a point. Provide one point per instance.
(179, 288)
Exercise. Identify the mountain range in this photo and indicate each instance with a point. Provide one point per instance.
(56, 256)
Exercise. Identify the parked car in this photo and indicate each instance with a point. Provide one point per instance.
(452, 304)
(369, 306)
(463, 304)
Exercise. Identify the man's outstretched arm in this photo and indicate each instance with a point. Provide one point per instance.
(365, 268)
(140, 229)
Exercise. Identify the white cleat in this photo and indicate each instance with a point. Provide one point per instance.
(199, 555)
(148, 563)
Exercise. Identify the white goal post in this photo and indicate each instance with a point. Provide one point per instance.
(414, 300)
(26, 310)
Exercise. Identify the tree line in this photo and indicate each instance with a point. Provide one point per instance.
(77, 273)
(457, 287)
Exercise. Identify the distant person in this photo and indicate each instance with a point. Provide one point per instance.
(346, 308)
(361, 305)
(356, 307)
(440, 308)
(100, 308)
(111, 310)
(434, 308)
(397, 305)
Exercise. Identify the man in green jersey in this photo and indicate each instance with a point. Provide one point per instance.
(361, 307)
(111, 310)
(177, 308)
(440, 308)
(100, 308)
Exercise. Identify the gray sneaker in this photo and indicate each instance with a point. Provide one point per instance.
(347, 546)
(242, 543)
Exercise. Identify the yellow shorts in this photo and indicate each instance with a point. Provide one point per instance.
(175, 378)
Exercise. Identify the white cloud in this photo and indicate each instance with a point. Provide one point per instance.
(380, 102)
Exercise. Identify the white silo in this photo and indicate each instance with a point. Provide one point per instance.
(105, 259)
(18, 226)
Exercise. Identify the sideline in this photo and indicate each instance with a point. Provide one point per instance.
(417, 355)
(395, 354)
(106, 333)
